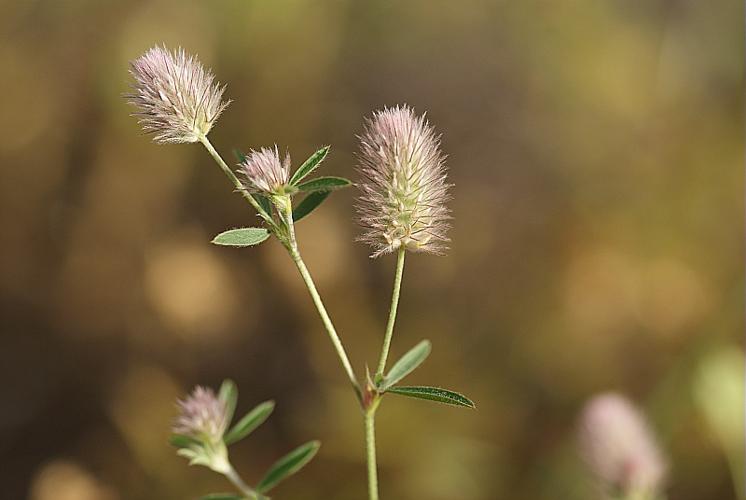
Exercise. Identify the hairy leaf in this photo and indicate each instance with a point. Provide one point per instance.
(309, 165)
(434, 394)
(243, 237)
(325, 184)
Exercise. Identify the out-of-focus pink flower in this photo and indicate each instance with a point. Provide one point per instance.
(620, 448)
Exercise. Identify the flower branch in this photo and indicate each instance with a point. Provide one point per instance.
(401, 207)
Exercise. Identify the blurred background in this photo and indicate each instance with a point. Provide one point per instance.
(596, 149)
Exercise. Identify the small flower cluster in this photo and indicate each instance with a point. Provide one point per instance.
(203, 420)
(201, 434)
(203, 416)
(264, 172)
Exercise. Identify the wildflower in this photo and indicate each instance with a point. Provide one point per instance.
(203, 420)
(203, 415)
(403, 187)
(620, 449)
(177, 98)
(264, 172)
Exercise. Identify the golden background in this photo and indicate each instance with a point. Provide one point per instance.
(596, 149)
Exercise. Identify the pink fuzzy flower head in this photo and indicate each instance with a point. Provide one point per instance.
(177, 99)
(620, 448)
(264, 172)
(203, 416)
(403, 184)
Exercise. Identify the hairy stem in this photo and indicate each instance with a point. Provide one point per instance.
(239, 483)
(325, 319)
(370, 449)
(236, 183)
(392, 313)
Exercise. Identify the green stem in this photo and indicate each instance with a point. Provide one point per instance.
(245, 489)
(236, 183)
(370, 448)
(325, 319)
(392, 313)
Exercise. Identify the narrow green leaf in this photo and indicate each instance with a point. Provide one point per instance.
(288, 465)
(222, 496)
(243, 237)
(249, 422)
(325, 184)
(309, 165)
(309, 204)
(181, 441)
(229, 394)
(434, 394)
(406, 364)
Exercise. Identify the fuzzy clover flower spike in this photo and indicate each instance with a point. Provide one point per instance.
(178, 100)
(404, 188)
(620, 450)
(202, 434)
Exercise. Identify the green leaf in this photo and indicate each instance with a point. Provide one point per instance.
(406, 364)
(309, 204)
(309, 165)
(249, 422)
(325, 184)
(434, 394)
(243, 237)
(181, 441)
(263, 202)
(228, 394)
(288, 465)
(222, 496)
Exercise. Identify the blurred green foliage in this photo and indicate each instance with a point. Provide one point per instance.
(596, 149)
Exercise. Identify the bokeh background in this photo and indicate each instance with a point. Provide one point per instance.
(596, 149)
